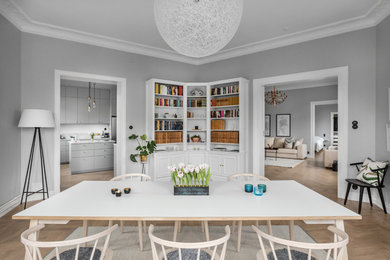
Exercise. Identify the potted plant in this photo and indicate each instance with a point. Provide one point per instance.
(190, 179)
(144, 148)
(195, 138)
(92, 135)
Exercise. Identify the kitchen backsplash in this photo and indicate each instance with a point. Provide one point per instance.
(83, 131)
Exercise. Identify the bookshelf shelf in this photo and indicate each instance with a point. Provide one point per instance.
(196, 118)
(169, 96)
(225, 118)
(216, 107)
(225, 95)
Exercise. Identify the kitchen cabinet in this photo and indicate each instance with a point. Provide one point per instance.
(223, 165)
(71, 107)
(64, 148)
(63, 110)
(82, 111)
(91, 157)
(104, 111)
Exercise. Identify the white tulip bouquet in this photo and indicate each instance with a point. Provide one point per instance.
(190, 175)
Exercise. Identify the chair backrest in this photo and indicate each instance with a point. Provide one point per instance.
(339, 248)
(211, 247)
(247, 176)
(33, 247)
(384, 171)
(132, 176)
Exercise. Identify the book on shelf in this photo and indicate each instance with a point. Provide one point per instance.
(196, 103)
(232, 89)
(224, 113)
(172, 90)
(168, 137)
(227, 101)
(218, 125)
(166, 102)
(163, 125)
(228, 137)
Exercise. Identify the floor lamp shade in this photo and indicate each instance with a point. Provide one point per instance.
(37, 118)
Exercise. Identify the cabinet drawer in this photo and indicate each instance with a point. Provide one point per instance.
(81, 164)
(104, 145)
(104, 152)
(78, 147)
(84, 153)
(104, 162)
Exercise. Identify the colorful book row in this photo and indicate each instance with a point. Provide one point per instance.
(196, 103)
(163, 125)
(233, 89)
(168, 90)
(165, 102)
(225, 113)
(229, 101)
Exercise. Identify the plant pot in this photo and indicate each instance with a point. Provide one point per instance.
(143, 158)
(191, 190)
(195, 139)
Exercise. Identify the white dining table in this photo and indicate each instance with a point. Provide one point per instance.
(154, 201)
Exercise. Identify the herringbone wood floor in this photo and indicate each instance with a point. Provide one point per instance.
(369, 238)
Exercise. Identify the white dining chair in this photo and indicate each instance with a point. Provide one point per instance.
(254, 177)
(213, 250)
(129, 176)
(286, 249)
(67, 249)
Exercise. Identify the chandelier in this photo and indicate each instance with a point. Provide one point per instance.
(275, 97)
(90, 108)
(197, 28)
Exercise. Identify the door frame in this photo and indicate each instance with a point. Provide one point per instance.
(259, 110)
(120, 160)
(313, 105)
(332, 125)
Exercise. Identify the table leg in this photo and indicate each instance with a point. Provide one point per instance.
(239, 235)
(340, 225)
(141, 245)
(206, 230)
(34, 236)
(175, 230)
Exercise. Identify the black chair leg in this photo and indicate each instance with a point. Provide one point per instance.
(369, 195)
(347, 193)
(360, 199)
(382, 199)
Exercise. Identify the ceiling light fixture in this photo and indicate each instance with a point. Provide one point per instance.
(197, 28)
(275, 97)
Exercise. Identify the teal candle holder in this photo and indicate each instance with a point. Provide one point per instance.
(264, 187)
(258, 191)
(248, 188)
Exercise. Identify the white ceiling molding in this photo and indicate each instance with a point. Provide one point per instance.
(301, 85)
(25, 24)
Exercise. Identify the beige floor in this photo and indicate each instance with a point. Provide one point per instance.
(369, 238)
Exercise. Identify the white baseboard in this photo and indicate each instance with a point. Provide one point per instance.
(10, 205)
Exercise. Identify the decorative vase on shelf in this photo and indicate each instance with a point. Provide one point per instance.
(190, 179)
(195, 139)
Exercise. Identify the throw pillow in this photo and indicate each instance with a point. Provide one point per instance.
(288, 143)
(366, 173)
(298, 142)
(279, 142)
(269, 142)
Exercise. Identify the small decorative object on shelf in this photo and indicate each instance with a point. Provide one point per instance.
(195, 138)
(197, 92)
(145, 147)
(190, 179)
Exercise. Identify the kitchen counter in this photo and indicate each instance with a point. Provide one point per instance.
(91, 142)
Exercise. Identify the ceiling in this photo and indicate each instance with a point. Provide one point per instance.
(129, 25)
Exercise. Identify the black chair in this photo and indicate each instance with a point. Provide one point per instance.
(356, 183)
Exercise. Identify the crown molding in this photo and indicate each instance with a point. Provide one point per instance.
(24, 23)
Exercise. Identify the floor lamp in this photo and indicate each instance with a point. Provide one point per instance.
(37, 119)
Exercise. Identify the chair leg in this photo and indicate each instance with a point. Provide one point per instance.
(145, 228)
(85, 230)
(141, 244)
(369, 195)
(206, 230)
(239, 235)
(382, 199)
(110, 223)
(291, 229)
(122, 227)
(347, 193)
(233, 226)
(202, 224)
(269, 227)
(360, 199)
(179, 230)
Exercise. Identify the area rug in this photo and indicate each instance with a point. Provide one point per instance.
(125, 245)
(282, 162)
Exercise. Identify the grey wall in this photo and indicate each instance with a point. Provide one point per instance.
(298, 105)
(357, 50)
(42, 55)
(382, 85)
(9, 111)
(322, 124)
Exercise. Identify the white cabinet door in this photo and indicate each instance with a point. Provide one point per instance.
(81, 164)
(178, 158)
(161, 171)
(82, 110)
(104, 162)
(214, 161)
(195, 158)
(71, 92)
(105, 94)
(229, 165)
(71, 110)
(104, 111)
(63, 110)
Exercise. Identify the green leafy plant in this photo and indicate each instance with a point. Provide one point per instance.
(145, 147)
(190, 175)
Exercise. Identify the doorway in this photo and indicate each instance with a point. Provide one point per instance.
(259, 85)
(104, 90)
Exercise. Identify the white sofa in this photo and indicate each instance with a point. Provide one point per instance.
(330, 155)
(298, 152)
